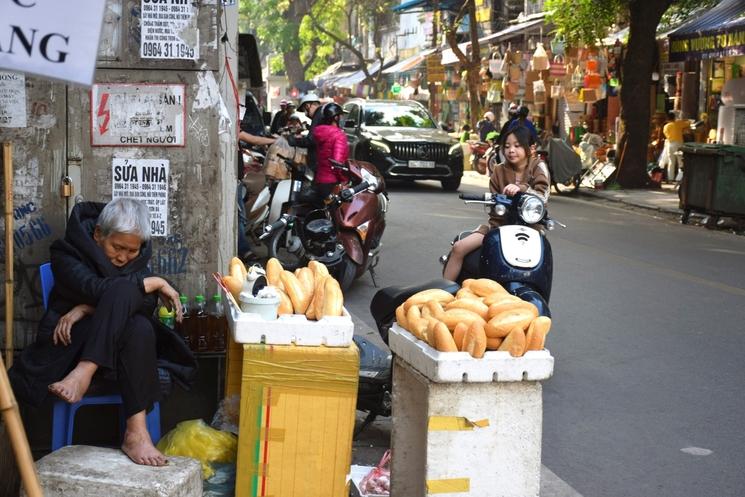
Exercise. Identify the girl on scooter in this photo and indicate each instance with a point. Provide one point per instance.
(522, 171)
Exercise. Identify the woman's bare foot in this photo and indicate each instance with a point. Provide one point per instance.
(72, 387)
(138, 445)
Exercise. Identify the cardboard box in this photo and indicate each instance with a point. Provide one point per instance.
(296, 419)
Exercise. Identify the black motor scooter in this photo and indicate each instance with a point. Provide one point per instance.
(516, 255)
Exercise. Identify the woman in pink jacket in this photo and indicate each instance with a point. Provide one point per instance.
(331, 143)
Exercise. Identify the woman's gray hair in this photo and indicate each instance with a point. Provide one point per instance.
(125, 215)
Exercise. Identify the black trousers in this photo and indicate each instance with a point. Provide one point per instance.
(116, 338)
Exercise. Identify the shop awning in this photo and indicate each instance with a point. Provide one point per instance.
(348, 80)
(719, 32)
(410, 63)
(426, 5)
(449, 57)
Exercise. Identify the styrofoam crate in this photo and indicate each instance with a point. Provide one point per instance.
(331, 331)
(460, 367)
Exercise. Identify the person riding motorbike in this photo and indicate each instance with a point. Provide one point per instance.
(521, 172)
(331, 143)
(310, 104)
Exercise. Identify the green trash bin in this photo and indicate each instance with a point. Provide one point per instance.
(713, 181)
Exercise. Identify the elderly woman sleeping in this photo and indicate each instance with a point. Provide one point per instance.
(99, 318)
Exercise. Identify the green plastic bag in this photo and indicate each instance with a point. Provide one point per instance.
(193, 438)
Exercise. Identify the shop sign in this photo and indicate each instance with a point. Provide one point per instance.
(708, 45)
(147, 181)
(169, 29)
(41, 37)
(435, 70)
(12, 100)
(138, 115)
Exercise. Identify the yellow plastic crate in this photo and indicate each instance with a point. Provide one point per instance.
(296, 419)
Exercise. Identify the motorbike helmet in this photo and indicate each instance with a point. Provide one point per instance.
(329, 112)
(307, 99)
(523, 111)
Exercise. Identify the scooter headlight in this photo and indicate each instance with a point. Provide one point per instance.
(532, 209)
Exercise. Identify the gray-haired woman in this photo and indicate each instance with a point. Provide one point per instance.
(99, 318)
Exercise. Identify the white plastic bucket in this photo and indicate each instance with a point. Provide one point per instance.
(264, 307)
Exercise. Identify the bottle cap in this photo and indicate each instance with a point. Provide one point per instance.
(217, 297)
(163, 312)
(183, 299)
(199, 298)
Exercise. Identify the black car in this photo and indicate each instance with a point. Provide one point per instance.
(402, 140)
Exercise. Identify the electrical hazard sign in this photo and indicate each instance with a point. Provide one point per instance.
(138, 115)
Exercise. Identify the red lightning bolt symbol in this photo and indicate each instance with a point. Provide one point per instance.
(104, 112)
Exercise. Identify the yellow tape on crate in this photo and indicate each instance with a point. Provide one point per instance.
(455, 423)
(450, 486)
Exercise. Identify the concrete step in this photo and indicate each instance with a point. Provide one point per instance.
(83, 471)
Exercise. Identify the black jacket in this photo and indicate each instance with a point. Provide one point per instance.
(82, 273)
(308, 141)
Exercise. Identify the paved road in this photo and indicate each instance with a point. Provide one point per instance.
(649, 339)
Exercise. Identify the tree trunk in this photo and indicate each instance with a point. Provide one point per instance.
(474, 79)
(294, 66)
(637, 70)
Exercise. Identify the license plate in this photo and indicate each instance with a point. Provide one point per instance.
(422, 163)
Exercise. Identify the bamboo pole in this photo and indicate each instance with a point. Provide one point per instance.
(8, 405)
(8, 177)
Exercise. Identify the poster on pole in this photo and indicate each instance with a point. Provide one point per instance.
(145, 180)
(169, 29)
(50, 38)
(12, 100)
(138, 115)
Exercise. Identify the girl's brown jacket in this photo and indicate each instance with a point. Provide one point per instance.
(535, 180)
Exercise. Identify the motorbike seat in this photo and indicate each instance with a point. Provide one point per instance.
(384, 302)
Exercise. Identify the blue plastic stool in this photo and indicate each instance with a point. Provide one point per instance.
(63, 415)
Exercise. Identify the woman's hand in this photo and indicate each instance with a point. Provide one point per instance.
(511, 189)
(64, 326)
(170, 298)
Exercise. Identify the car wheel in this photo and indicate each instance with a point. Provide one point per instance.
(451, 184)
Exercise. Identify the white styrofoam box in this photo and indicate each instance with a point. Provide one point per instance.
(331, 331)
(460, 367)
(495, 451)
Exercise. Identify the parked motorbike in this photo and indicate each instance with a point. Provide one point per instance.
(345, 234)
(515, 255)
(478, 151)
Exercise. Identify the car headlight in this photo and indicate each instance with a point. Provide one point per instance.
(455, 149)
(532, 209)
(382, 146)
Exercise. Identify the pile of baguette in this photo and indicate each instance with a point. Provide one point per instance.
(309, 290)
(481, 316)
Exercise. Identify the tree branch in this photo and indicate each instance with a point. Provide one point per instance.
(313, 53)
(344, 43)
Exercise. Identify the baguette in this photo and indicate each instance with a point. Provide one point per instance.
(421, 298)
(474, 341)
(467, 282)
(443, 340)
(503, 323)
(417, 325)
(509, 304)
(499, 296)
(484, 287)
(435, 309)
(307, 279)
(300, 299)
(452, 317)
(471, 305)
(458, 333)
(273, 271)
(401, 317)
(333, 299)
(236, 262)
(285, 304)
(537, 331)
(318, 268)
(465, 293)
(514, 342)
(493, 343)
(234, 285)
(318, 295)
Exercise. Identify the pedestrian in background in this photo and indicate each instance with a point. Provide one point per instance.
(673, 132)
(486, 125)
